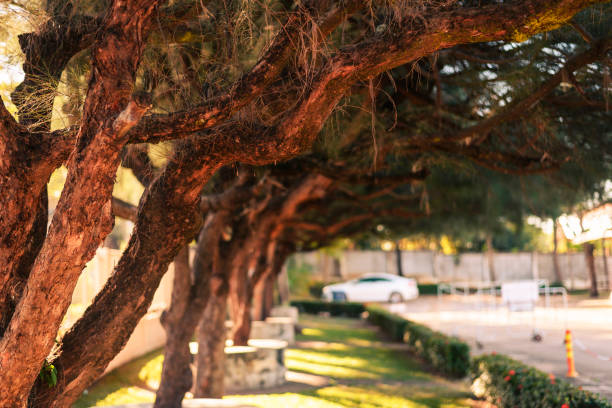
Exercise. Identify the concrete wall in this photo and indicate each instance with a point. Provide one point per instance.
(431, 266)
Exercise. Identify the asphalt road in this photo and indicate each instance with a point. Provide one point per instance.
(488, 326)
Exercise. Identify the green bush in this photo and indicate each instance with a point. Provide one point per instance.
(347, 309)
(299, 275)
(447, 355)
(508, 383)
(428, 288)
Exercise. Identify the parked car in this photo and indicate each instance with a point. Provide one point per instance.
(376, 287)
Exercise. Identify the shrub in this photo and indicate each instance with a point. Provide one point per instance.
(508, 383)
(428, 288)
(448, 355)
(347, 309)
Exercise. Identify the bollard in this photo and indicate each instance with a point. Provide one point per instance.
(571, 368)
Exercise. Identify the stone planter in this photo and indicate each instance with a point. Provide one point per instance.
(278, 328)
(285, 311)
(259, 365)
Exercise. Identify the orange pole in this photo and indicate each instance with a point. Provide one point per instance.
(569, 348)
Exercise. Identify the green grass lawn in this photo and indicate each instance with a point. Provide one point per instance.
(362, 371)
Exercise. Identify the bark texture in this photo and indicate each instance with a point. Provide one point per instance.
(176, 373)
(83, 215)
(182, 319)
(211, 342)
(169, 217)
(258, 251)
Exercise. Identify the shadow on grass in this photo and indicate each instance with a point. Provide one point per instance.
(379, 396)
(135, 381)
(347, 362)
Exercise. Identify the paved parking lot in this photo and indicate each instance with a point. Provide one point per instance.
(489, 326)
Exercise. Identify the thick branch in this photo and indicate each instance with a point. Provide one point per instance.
(597, 51)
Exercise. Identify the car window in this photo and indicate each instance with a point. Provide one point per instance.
(373, 279)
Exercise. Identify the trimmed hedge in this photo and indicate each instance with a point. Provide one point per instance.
(428, 288)
(348, 309)
(508, 383)
(448, 355)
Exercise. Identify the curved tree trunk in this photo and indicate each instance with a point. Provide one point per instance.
(169, 217)
(268, 295)
(191, 301)
(83, 216)
(210, 360)
(176, 375)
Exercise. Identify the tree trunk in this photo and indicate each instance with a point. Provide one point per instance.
(83, 216)
(268, 296)
(11, 293)
(241, 316)
(398, 259)
(211, 342)
(604, 257)
(491, 258)
(176, 377)
(23, 182)
(169, 217)
(191, 301)
(555, 254)
(283, 286)
(590, 261)
(259, 293)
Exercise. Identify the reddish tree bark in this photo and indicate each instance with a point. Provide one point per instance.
(176, 374)
(268, 229)
(169, 217)
(180, 321)
(83, 215)
(210, 360)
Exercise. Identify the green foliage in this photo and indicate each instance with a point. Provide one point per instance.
(347, 309)
(428, 288)
(508, 383)
(448, 355)
(48, 374)
(299, 277)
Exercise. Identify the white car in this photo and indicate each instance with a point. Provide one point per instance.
(376, 287)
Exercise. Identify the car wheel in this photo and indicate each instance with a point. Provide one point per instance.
(396, 298)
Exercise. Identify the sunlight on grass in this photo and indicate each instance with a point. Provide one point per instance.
(285, 401)
(344, 350)
(125, 395)
(381, 396)
(346, 362)
(340, 330)
(308, 332)
(150, 373)
(134, 382)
